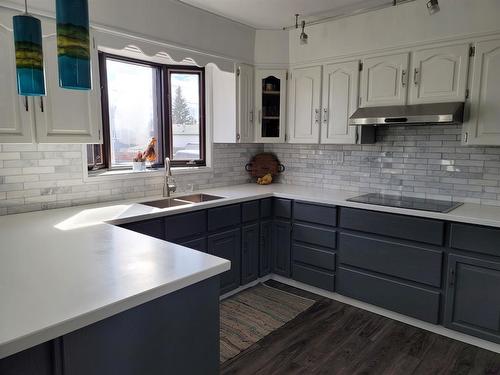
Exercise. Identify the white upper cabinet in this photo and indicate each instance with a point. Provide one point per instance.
(439, 74)
(340, 100)
(384, 80)
(16, 116)
(270, 105)
(245, 97)
(67, 116)
(305, 105)
(483, 126)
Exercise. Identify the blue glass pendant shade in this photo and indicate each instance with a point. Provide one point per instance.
(73, 44)
(29, 55)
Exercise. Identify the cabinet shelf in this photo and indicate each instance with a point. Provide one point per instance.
(271, 92)
(270, 117)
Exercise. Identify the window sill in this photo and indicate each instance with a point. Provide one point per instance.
(122, 174)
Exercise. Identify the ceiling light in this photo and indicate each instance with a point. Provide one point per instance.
(433, 6)
(303, 35)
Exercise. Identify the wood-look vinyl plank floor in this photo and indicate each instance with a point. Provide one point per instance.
(335, 338)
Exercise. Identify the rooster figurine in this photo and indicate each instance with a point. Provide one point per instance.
(150, 153)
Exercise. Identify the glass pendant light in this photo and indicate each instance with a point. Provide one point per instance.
(29, 55)
(73, 44)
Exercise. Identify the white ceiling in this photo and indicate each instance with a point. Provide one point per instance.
(276, 14)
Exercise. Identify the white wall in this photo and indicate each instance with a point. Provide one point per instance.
(395, 27)
(271, 47)
(167, 21)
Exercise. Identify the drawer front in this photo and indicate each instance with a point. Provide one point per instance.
(399, 226)
(266, 207)
(199, 244)
(185, 225)
(475, 238)
(250, 211)
(314, 235)
(222, 217)
(399, 297)
(316, 214)
(320, 279)
(154, 228)
(283, 208)
(314, 257)
(392, 258)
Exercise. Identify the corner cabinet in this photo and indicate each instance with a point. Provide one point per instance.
(16, 112)
(305, 105)
(244, 97)
(68, 116)
(270, 105)
(384, 80)
(483, 125)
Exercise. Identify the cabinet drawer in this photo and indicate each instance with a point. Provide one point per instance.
(283, 208)
(185, 225)
(314, 213)
(222, 217)
(266, 207)
(314, 257)
(399, 226)
(314, 235)
(475, 238)
(409, 262)
(406, 299)
(250, 211)
(199, 244)
(320, 279)
(153, 228)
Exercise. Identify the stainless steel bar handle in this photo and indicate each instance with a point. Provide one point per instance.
(26, 104)
(415, 76)
(42, 109)
(317, 115)
(403, 78)
(251, 116)
(325, 116)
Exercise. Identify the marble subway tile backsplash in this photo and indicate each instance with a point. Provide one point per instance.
(40, 177)
(422, 161)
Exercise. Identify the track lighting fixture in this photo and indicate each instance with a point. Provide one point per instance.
(433, 6)
(303, 35)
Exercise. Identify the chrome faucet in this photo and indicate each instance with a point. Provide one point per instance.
(169, 185)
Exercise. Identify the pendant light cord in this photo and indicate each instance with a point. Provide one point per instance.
(26, 6)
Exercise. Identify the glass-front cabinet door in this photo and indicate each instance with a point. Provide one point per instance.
(270, 100)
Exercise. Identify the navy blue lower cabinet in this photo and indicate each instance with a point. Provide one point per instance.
(227, 245)
(250, 241)
(40, 360)
(319, 278)
(174, 334)
(281, 248)
(473, 297)
(153, 228)
(266, 248)
(407, 299)
(199, 244)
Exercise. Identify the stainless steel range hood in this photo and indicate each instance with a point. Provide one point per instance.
(420, 114)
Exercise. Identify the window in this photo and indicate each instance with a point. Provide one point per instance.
(143, 100)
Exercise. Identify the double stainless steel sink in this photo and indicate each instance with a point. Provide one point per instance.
(182, 200)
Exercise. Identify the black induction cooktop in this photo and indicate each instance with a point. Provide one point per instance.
(411, 203)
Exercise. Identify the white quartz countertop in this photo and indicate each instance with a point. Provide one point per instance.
(63, 269)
